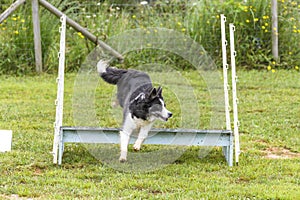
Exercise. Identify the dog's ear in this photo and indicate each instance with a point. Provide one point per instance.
(159, 91)
(153, 93)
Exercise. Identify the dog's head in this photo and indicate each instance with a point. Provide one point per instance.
(150, 106)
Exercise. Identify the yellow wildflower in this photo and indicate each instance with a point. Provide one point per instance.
(16, 32)
(22, 20)
(80, 35)
(269, 67)
(290, 53)
(179, 24)
(266, 24)
(274, 63)
(255, 19)
(265, 17)
(273, 70)
(14, 18)
(296, 67)
(183, 29)
(263, 27)
(133, 17)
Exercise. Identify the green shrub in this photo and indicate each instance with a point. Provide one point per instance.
(198, 19)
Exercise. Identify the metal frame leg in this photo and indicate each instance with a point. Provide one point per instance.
(60, 147)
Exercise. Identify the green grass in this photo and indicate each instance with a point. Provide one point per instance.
(269, 115)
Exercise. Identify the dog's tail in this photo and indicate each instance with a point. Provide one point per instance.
(109, 74)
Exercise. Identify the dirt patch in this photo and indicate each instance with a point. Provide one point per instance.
(280, 153)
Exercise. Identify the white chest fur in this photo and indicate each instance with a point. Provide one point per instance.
(132, 123)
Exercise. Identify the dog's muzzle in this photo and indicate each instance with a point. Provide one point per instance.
(169, 116)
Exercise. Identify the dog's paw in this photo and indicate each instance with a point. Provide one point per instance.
(136, 148)
(122, 160)
(137, 145)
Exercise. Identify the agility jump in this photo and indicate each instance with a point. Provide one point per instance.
(224, 138)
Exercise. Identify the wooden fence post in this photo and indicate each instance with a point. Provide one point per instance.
(81, 29)
(274, 29)
(37, 36)
(10, 10)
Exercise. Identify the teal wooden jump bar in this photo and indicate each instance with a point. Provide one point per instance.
(179, 137)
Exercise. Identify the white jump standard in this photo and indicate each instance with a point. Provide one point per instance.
(223, 138)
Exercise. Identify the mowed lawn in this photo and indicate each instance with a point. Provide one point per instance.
(269, 168)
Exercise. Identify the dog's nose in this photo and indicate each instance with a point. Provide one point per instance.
(170, 115)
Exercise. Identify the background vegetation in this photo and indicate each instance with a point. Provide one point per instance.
(198, 19)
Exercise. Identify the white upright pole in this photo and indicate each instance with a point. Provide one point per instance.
(60, 89)
(225, 67)
(234, 95)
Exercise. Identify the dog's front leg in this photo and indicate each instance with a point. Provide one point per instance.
(128, 127)
(124, 140)
(142, 136)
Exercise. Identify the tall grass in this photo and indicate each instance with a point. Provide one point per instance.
(253, 30)
(198, 19)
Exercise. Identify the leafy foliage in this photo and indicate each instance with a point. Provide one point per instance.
(198, 19)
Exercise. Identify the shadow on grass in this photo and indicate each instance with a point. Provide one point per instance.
(150, 158)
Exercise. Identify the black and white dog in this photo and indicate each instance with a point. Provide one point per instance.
(142, 103)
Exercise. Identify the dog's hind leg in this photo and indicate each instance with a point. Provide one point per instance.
(142, 136)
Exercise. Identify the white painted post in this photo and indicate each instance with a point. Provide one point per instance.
(60, 89)
(225, 67)
(234, 95)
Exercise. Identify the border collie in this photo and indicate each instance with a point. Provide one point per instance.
(141, 102)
